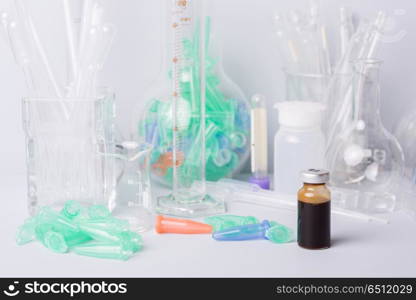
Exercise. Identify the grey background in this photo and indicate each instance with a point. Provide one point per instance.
(250, 58)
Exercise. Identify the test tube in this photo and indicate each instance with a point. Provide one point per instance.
(259, 143)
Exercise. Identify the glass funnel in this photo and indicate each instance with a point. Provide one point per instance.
(367, 158)
(226, 132)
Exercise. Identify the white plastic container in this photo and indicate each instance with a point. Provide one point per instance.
(299, 143)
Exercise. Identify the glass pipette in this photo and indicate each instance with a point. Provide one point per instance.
(27, 18)
(4, 20)
(239, 191)
(346, 29)
(22, 57)
(70, 35)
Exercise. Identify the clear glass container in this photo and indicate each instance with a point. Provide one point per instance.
(227, 112)
(339, 107)
(70, 143)
(406, 135)
(299, 143)
(134, 200)
(366, 157)
(196, 119)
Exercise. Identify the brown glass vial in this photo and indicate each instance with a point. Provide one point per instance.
(314, 211)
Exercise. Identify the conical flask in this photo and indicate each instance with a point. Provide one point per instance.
(367, 158)
(227, 112)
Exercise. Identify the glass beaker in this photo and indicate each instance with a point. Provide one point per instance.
(70, 143)
(367, 158)
(339, 101)
(134, 200)
(226, 109)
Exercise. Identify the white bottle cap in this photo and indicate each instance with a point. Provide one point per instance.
(300, 114)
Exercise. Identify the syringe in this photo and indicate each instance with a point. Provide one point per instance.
(259, 143)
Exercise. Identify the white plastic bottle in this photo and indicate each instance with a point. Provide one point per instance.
(299, 143)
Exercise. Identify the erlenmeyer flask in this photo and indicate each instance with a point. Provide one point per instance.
(227, 111)
(367, 158)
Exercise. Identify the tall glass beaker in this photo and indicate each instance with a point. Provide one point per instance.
(70, 143)
(367, 158)
(189, 130)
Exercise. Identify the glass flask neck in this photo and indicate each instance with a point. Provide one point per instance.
(367, 92)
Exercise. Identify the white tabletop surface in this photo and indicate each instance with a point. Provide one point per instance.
(359, 250)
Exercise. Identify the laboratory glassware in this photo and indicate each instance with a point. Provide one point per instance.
(190, 124)
(259, 144)
(227, 111)
(69, 155)
(299, 143)
(303, 41)
(346, 29)
(314, 211)
(134, 200)
(367, 158)
(243, 192)
(406, 135)
(339, 98)
(306, 87)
